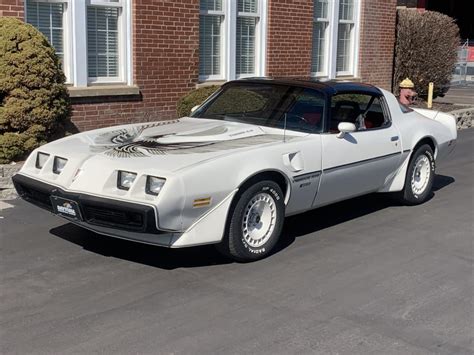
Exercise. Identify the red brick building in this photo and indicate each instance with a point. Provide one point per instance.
(131, 60)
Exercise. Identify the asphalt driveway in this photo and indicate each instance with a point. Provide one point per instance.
(361, 277)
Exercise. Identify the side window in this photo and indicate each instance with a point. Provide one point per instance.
(305, 111)
(364, 110)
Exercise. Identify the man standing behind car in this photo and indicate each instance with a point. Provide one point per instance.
(407, 92)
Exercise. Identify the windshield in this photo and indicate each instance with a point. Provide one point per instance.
(271, 105)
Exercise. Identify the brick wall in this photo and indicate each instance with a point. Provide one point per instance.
(289, 43)
(377, 42)
(165, 66)
(166, 54)
(12, 8)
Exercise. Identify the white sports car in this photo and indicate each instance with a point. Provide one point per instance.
(256, 151)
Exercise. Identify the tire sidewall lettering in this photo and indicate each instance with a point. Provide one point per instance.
(430, 157)
(272, 190)
(274, 193)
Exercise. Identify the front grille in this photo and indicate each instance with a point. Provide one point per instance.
(95, 210)
(114, 218)
(35, 196)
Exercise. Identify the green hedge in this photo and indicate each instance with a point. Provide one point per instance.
(33, 97)
(425, 50)
(193, 98)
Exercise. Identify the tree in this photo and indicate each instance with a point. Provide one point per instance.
(33, 97)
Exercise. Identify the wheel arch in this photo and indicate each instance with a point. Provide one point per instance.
(274, 175)
(431, 141)
(397, 183)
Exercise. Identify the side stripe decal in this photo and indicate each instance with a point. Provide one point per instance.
(362, 161)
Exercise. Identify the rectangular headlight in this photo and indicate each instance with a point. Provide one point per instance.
(125, 179)
(154, 185)
(41, 160)
(59, 164)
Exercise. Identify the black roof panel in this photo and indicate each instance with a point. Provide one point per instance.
(330, 87)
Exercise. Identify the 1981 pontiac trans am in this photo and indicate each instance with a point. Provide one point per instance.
(256, 151)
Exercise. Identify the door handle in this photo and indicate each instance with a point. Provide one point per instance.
(394, 139)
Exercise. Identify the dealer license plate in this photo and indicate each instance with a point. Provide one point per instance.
(66, 208)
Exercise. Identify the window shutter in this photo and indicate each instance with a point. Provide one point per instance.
(320, 26)
(209, 45)
(344, 35)
(346, 9)
(245, 36)
(247, 6)
(319, 46)
(48, 19)
(102, 42)
(343, 47)
(245, 45)
(211, 5)
(321, 9)
(210, 37)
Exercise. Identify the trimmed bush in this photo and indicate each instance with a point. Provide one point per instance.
(193, 98)
(33, 97)
(425, 50)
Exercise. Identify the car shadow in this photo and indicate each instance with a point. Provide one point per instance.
(140, 253)
(328, 216)
(295, 226)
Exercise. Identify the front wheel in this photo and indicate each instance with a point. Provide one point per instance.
(255, 222)
(420, 177)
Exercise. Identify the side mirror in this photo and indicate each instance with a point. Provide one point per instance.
(194, 108)
(345, 127)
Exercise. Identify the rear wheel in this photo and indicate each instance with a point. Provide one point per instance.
(255, 222)
(420, 177)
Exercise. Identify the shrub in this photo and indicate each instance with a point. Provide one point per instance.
(425, 50)
(33, 98)
(193, 98)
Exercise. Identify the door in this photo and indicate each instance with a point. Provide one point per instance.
(362, 161)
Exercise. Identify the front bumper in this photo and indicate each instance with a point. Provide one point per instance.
(105, 216)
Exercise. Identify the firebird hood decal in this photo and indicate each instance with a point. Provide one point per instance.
(170, 137)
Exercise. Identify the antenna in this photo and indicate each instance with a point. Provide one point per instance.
(284, 129)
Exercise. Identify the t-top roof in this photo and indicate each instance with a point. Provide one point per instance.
(330, 87)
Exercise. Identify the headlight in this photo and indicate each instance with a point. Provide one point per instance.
(125, 179)
(41, 159)
(154, 185)
(59, 164)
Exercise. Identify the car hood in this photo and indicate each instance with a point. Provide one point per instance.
(167, 145)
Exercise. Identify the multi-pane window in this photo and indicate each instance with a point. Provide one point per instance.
(334, 35)
(210, 38)
(90, 37)
(102, 42)
(246, 36)
(230, 39)
(345, 35)
(320, 29)
(48, 19)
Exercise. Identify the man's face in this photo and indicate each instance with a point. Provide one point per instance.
(407, 96)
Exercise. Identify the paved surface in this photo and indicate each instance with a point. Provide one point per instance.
(460, 95)
(360, 277)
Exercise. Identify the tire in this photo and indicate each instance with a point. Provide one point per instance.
(419, 178)
(254, 223)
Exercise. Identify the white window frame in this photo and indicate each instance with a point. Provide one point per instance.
(228, 40)
(330, 71)
(75, 41)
